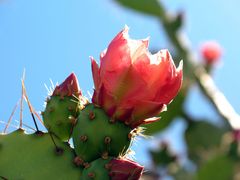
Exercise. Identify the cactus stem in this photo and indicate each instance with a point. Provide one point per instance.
(91, 175)
(107, 140)
(105, 155)
(91, 115)
(78, 161)
(83, 138)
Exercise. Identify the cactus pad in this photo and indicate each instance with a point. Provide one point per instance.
(34, 156)
(97, 170)
(95, 136)
(59, 115)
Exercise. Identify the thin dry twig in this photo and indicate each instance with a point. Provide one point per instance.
(10, 118)
(21, 102)
(29, 104)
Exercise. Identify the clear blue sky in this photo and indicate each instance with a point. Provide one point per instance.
(52, 38)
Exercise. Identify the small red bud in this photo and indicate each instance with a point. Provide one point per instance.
(124, 169)
(69, 87)
(211, 52)
(236, 135)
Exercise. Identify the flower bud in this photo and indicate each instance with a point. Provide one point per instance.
(124, 169)
(211, 52)
(131, 84)
(68, 88)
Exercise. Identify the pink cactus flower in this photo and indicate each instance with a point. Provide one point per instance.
(131, 84)
(69, 87)
(211, 52)
(120, 169)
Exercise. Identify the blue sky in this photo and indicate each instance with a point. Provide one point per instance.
(52, 38)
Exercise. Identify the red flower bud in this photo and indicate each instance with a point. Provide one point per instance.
(131, 84)
(236, 135)
(211, 51)
(124, 169)
(68, 88)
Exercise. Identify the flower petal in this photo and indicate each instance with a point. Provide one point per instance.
(170, 89)
(146, 109)
(117, 54)
(95, 73)
(145, 121)
(125, 169)
(107, 101)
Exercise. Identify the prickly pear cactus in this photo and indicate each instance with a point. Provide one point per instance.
(95, 136)
(98, 142)
(34, 156)
(59, 116)
(62, 108)
(126, 96)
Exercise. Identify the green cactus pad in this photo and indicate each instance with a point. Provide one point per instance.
(59, 116)
(97, 170)
(34, 156)
(95, 136)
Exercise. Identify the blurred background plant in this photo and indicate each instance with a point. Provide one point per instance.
(198, 137)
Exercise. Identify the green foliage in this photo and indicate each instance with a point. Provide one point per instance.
(150, 7)
(95, 135)
(34, 156)
(182, 174)
(220, 167)
(163, 156)
(59, 116)
(203, 140)
(176, 22)
(234, 148)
